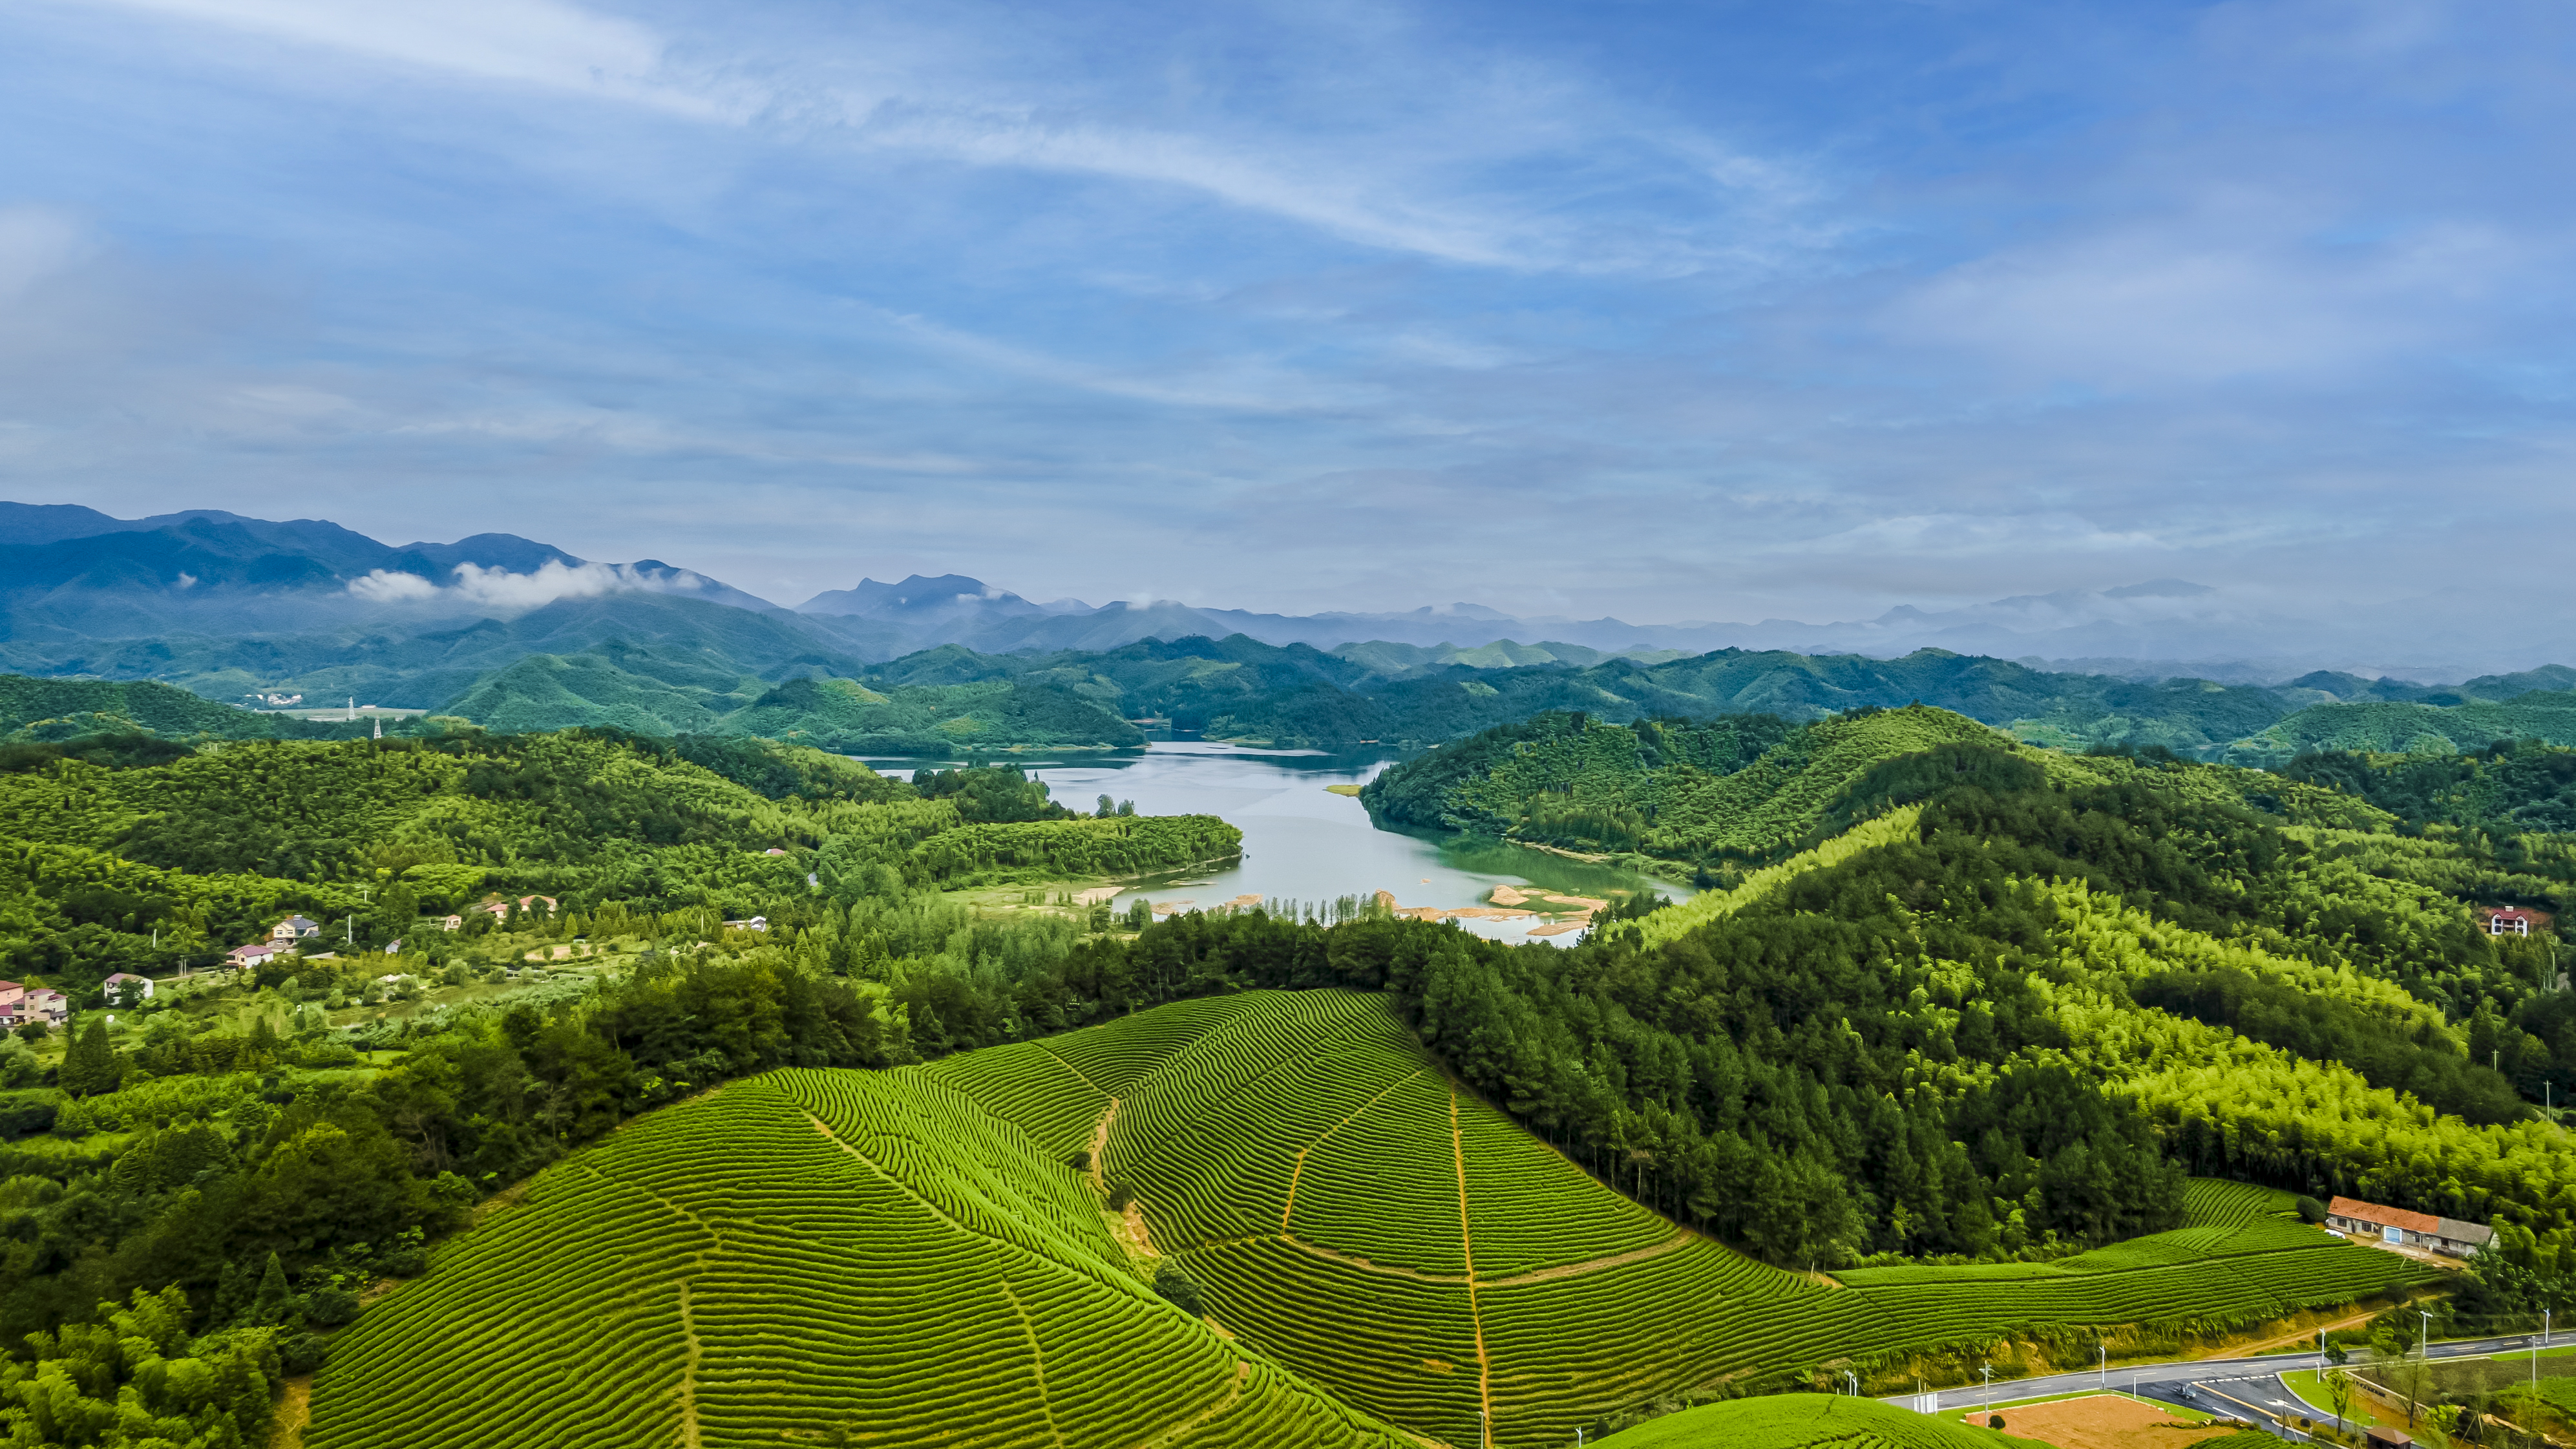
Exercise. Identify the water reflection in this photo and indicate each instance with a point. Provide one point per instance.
(1302, 842)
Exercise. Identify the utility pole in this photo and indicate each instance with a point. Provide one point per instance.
(2423, 1346)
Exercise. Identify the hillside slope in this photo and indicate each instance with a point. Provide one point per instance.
(63, 709)
(1354, 1213)
(140, 869)
(1734, 788)
(804, 1254)
(2410, 729)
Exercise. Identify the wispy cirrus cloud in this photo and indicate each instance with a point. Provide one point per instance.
(1424, 185)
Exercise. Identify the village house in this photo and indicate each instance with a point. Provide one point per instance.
(500, 909)
(294, 928)
(128, 988)
(451, 923)
(22, 1004)
(2506, 921)
(243, 958)
(756, 923)
(2396, 1227)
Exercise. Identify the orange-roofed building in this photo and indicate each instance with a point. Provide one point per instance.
(2397, 1227)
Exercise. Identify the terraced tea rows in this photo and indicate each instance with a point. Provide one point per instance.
(803, 1253)
(1377, 1230)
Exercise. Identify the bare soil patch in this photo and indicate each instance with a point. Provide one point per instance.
(294, 1411)
(2100, 1421)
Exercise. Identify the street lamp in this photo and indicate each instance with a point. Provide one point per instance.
(2104, 1350)
(1990, 1388)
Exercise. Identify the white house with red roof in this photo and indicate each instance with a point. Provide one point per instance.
(243, 957)
(2506, 921)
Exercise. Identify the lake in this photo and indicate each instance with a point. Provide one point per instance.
(1303, 843)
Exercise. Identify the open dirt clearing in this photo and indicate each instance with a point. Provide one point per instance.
(2099, 1421)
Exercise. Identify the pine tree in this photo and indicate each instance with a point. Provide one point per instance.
(232, 1294)
(274, 1301)
(89, 1067)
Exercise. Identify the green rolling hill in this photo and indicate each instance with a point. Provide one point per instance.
(807, 1257)
(926, 1256)
(2410, 729)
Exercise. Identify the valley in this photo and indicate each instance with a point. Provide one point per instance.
(714, 1089)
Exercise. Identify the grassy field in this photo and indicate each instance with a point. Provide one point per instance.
(1381, 1232)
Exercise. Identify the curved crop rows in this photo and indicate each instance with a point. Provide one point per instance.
(1356, 1216)
(806, 1252)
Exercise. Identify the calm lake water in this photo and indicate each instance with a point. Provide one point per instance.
(1302, 842)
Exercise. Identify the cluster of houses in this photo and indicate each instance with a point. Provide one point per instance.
(292, 933)
(287, 935)
(2398, 1228)
(21, 1004)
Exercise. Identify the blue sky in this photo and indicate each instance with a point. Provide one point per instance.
(1722, 311)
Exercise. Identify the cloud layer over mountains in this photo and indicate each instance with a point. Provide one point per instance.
(82, 591)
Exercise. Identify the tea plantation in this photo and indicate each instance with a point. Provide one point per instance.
(1388, 1236)
(922, 1256)
(804, 1257)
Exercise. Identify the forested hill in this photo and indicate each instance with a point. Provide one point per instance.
(1241, 689)
(54, 710)
(2411, 728)
(1735, 789)
(142, 867)
(660, 665)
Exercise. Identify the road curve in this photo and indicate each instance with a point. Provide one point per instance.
(2192, 1383)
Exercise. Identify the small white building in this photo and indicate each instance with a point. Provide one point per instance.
(128, 988)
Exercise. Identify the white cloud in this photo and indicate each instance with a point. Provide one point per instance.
(1410, 187)
(499, 589)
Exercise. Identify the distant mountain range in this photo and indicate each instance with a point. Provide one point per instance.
(519, 634)
(73, 579)
(2159, 629)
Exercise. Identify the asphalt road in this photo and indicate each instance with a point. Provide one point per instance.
(2195, 1383)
